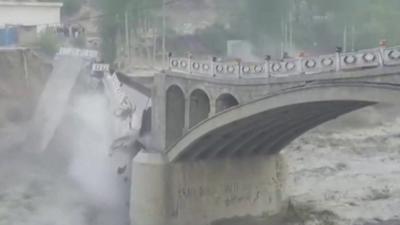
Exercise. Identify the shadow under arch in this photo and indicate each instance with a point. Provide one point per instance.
(199, 109)
(175, 114)
(267, 125)
(225, 101)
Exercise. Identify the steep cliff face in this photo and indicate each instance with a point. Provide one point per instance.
(22, 77)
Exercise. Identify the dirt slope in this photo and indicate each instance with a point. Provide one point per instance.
(22, 76)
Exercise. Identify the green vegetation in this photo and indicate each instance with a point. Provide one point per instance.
(71, 7)
(79, 42)
(113, 22)
(320, 24)
(307, 25)
(48, 43)
(215, 38)
(108, 32)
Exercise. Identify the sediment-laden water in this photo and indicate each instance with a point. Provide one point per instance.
(347, 172)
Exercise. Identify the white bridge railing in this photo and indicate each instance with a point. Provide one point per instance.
(84, 53)
(370, 58)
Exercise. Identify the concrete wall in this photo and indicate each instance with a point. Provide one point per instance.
(29, 13)
(175, 114)
(225, 101)
(206, 192)
(199, 107)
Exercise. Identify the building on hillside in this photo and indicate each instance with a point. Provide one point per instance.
(29, 13)
(20, 21)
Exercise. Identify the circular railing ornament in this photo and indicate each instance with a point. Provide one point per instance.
(290, 66)
(394, 54)
(175, 63)
(220, 69)
(246, 69)
(183, 64)
(230, 69)
(196, 66)
(310, 64)
(276, 67)
(258, 68)
(350, 59)
(205, 67)
(327, 62)
(369, 57)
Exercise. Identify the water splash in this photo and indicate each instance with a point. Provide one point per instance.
(74, 182)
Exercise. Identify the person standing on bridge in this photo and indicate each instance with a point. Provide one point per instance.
(126, 111)
(285, 56)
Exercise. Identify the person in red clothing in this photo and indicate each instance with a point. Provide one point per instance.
(383, 43)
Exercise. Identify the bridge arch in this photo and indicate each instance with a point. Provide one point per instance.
(267, 125)
(199, 107)
(175, 114)
(225, 101)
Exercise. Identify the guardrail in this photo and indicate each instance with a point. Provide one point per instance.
(87, 54)
(364, 59)
(100, 67)
(84, 53)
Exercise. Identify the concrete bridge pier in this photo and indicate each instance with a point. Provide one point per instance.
(206, 192)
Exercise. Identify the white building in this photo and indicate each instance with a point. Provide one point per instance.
(30, 14)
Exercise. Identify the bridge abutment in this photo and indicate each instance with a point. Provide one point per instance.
(206, 192)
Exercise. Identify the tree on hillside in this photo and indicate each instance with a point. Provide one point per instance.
(318, 24)
(118, 13)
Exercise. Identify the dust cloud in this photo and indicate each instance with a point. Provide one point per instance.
(73, 182)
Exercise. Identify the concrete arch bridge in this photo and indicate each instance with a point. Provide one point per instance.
(218, 128)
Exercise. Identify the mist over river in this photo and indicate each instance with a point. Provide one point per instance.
(73, 182)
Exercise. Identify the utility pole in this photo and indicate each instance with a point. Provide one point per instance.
(164, 27)
(286, 29)
(127, 42)
(353, 38)
(284, 36)
(291, 32)
(154, 34)
(345, 39)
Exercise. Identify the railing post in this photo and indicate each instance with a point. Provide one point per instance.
(382, 46)
(169, 60)
(300, 62)
(338, 59)
(213, 60)
(381, 56)
(267, 65)
(338, 62)
(190, 63)
(239, 68)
